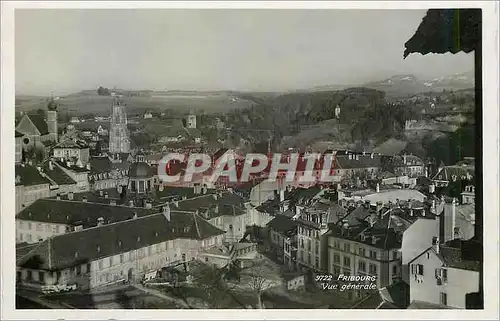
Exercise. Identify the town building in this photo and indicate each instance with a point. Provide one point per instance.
(77, 171)
(462, 171)
(444, 274)
(117, 252)
(224, 255)
(45, 218)
(148, 115)
(37, 129)
(352, 165)
(119, 140)
(30, 184)
(469, 195)
(106, 174)
(191, 121)
(458, 221)
(223, 209)
(72, 149)
(368, 241)
(283, 232)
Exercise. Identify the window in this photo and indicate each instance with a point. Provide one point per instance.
(29, 225)
(309, 245)
(28, 237)
(29, 275)
(110, 261)
(309, 261)
(47, 228)
(39, 227)
(317, 248)
(336, 244)
(302, 243)
(336, 270)
(362, 266)
(373, 269)
(150, 250)
(57, 229)
(395, 255)
(317, 262)
(336, 258)
(394, 269)
(362, 251)
(417, 269)
(347, 261)
(443, 298)
(100, 264)
(42, 277)
(347, 247)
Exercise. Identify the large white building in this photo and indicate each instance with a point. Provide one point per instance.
(117, 251)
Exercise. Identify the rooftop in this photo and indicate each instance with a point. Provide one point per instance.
(56, 174)
(284, 225)
(65, 250)
(29, 176)
(76, 212)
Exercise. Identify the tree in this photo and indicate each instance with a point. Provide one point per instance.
(40, 112)
(258, 278)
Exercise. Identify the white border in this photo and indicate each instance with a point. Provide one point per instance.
(490, 165)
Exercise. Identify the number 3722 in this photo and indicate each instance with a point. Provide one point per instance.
(320, 278)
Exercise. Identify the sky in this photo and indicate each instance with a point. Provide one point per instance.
(68, 50)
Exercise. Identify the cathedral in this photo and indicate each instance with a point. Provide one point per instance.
(119, 140)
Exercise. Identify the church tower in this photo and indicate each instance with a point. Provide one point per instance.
(191, 120)
(52, 119)
(119, 140)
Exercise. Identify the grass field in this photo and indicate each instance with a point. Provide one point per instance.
(85, 102)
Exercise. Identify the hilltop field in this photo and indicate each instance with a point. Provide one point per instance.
(90, 102)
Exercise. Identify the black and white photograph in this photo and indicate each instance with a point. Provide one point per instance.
(248, 157)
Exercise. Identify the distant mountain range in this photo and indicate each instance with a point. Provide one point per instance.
(404, 85)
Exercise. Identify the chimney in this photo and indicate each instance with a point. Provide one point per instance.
(119, 188)
(131, 203)
(135, 215)
(378, 188)
(100, 221)
(166, 212)
(106, 195)
(216, 208)
(30, 162)
(297, 210)
(51, 166)
(84, 199)
(70, 196)
(112, 202)
(435, 244)
(58, 196)
(148, 205)
(404, 159)
(101, 193)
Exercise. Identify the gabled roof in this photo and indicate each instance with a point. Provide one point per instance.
(57, 175)
(29, 175)
(283, 225)
(40, 123)
(72, 143)
(66, 250)
(454, 254)
(227, 203)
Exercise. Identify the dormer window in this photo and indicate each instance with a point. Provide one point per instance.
(156, 234)
(76, 255)
(120, 243)
(98, 248)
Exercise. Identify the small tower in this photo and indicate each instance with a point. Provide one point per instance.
(52, 119)
(337, 111)
(191, 121)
